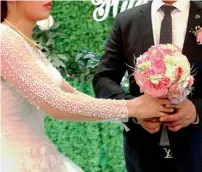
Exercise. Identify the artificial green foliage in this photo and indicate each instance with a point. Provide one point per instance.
(46, 41)
(87, 62)
(95, 147)
(83, 32)
(112, 159)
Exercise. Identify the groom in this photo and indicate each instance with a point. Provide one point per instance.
(134, 32)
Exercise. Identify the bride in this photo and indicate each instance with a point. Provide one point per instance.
(31, 86)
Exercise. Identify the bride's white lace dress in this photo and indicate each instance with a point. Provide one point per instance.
(24, 146)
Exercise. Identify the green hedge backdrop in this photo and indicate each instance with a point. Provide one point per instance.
(95, 147)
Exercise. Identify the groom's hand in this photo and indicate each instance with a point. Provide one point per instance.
(151, 125)
(185, 115)
(146, 107)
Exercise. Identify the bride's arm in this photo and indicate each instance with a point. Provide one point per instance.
(65, 86)
(68, 88)
(21, 70)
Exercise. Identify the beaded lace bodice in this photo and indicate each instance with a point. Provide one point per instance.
(29, 83)
(32, 76)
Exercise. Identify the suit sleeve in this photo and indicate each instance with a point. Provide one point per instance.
(197, 98)
(198, 85)
(111, 68)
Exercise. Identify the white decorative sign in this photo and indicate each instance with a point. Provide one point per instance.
(103, 7)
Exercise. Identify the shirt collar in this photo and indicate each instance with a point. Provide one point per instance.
(181, 5)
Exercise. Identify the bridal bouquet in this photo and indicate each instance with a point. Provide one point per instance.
(164, 72)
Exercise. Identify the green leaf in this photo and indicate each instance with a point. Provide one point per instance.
(56, 25)
(50, 42)
(63, 57)
(56, 62)
(62, 64)
(46, 54)
(46, 49)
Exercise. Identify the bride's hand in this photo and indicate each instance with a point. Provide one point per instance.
(146, 106)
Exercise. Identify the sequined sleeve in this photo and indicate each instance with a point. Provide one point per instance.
(22, 71)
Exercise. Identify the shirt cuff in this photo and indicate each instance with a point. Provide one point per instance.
(197, 120)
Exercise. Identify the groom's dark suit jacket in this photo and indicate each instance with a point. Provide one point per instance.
(132, 35)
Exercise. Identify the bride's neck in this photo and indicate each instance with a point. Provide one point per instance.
(24, 26)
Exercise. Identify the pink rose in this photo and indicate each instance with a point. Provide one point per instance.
(199, 36)
(158, 66)
(179, 72)
(168, 52)
(175, 89)
(146, 56)
(139, 62)
(152, 48)
(159, 90)
(141, 79)
(159, 56)
(166, 81)
(172, 50)
(150, 72)
(191, 81)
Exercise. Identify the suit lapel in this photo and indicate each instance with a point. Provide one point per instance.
(146, 30)
(195, 19)
(145, 23)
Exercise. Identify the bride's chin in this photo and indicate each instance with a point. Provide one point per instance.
(42, 16)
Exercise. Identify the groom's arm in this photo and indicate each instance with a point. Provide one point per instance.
(197, 87)
(198, 105)
(111, 68)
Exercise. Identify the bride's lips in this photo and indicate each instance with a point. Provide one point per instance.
(48, 5)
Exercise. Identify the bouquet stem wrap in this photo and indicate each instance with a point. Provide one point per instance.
(164, 140)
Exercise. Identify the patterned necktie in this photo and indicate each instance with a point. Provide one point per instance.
(166, 25)
(166, 38)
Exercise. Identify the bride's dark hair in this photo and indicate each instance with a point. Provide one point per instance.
(3, 10)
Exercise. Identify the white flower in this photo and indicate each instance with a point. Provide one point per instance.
(46, 24)
(175, 61)
(155, 79)
(144, 65)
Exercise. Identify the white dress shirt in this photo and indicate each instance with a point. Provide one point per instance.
(179, 16)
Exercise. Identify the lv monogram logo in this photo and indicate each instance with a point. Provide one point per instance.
(168, 153)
